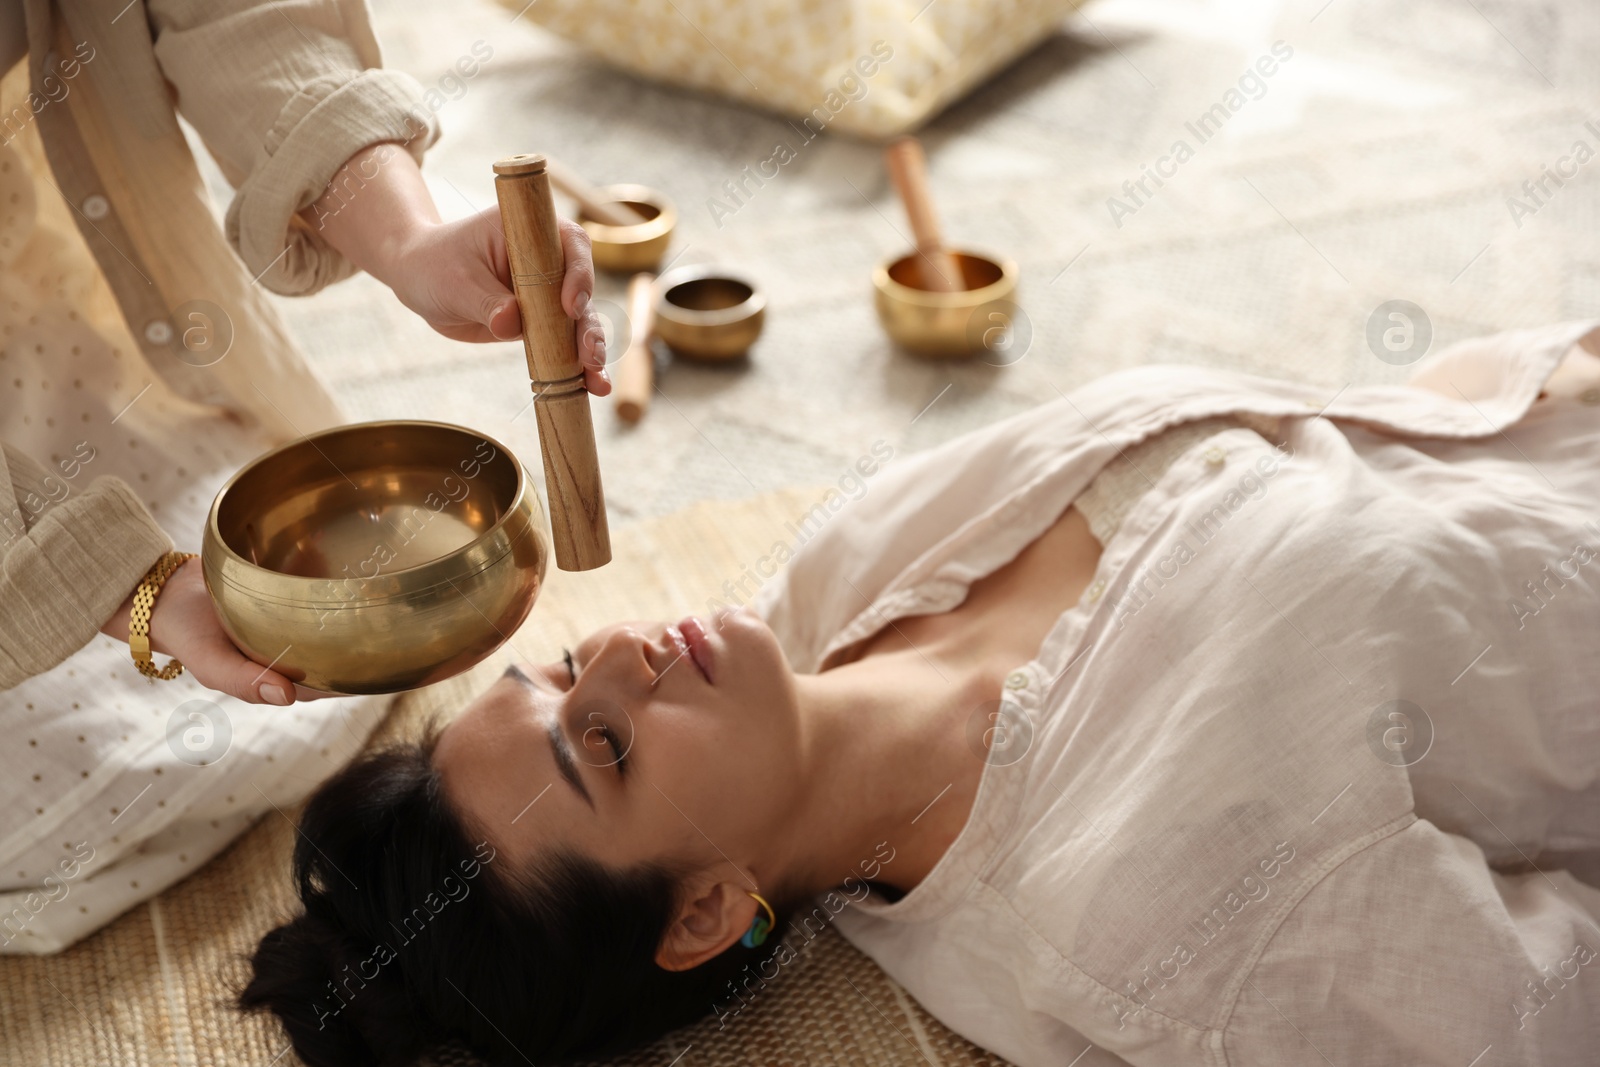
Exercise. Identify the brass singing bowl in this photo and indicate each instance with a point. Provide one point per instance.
(708, 313)
(942, 325)
(377, 557)
(630, 249)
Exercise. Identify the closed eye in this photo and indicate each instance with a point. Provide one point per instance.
(619, 753)
(616, 748)
(608, 737)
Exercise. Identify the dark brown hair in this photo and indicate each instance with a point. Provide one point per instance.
(415, 934)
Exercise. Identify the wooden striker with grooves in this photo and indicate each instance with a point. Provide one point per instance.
(561, 404)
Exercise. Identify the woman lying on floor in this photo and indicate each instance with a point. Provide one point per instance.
(1182, 716)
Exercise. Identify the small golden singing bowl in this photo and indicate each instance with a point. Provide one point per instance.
(377, 557)
(708, 313)
(629, 249)
(943, 325)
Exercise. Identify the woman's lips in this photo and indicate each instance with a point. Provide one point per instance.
(698, 642)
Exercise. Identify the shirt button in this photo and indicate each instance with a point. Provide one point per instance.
(1097, 588)
(1590, 396)
(158, 332)
(96, 207)
(1017, 680)
(1215, 456)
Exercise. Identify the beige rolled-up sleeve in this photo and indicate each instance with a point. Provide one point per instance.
(283, 94)
(69, 557)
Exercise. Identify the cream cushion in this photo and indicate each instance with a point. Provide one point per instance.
(873, 68)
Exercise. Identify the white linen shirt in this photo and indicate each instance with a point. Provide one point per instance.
(1307, 773)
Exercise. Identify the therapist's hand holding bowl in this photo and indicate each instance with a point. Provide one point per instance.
(184, 625)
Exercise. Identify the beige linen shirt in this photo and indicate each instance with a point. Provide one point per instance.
(89, 135)
(141, 364)
(1311, 772)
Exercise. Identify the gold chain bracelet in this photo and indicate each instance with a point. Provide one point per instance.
(144, 601)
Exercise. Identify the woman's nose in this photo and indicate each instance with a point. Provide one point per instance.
(627, 653)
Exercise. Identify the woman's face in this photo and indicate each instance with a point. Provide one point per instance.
(677, 742)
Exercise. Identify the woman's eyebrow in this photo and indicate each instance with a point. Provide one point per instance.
(515, 671)
(559, 750)
(565, 763)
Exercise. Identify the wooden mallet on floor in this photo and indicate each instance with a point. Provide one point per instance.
(636, 371)
(908, 169)
(595, 204)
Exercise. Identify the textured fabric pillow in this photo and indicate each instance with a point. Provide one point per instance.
(867, 67)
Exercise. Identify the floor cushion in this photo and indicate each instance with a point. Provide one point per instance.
(867, 67)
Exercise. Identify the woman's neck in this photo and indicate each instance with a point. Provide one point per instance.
(894, 742)
(888, 762)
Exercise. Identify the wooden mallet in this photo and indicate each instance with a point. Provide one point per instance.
(636, 369)
(908, 169)
(561, 403)
(595, 204)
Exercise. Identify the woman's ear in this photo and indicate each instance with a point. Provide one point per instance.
(716, 917)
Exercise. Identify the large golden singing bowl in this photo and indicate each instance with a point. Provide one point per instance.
(945, 325)
(630, 249)
(377, 557)
(708, 313)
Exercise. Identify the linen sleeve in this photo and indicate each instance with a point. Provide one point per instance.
(1415, 951)
(283, 94)
(68, 559)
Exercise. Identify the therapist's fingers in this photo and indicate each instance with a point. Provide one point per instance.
(592, 353)
(577, 299)
(501, 318)
(577, 287)
(229, 671)
(500, 314)
(184, 625)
